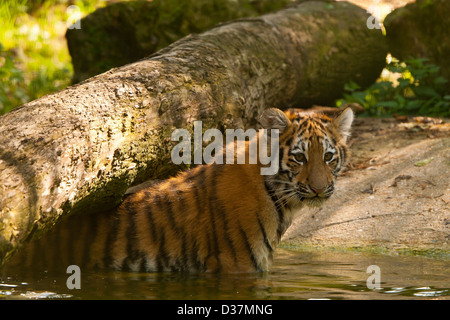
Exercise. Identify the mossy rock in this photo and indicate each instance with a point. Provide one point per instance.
(125, 32)
(421, 30)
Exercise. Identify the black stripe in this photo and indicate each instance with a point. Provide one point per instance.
(200, 183)
(195, 249)
(249, 249)
(301, 131)
(342, 153)
(110, 239)
(197, 263)
(212, 206)
(161, 257)
(149, 215)
(200, 192)
(92, 233)
(263, 231)
(320, 126)
(179, 231)
(280, 162)
(198, 203)
(288, 141)
(73, 239)
(184, 250)
(182, 231)
(39, 250)
(170, 215)
(308, 126)
(132, 252)
(341, 158)
(280, 159)
(143, 264)
(221, 214)
(209, 249)
(278, 208)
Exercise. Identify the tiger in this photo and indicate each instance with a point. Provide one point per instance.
(214, 217)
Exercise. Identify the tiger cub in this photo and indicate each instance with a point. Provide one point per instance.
(218, 218)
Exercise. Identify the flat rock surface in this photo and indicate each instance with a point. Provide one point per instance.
(395, 193)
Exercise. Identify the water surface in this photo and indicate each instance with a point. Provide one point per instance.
(295, 274)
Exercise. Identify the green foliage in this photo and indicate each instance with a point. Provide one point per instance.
(417, 90)
(34, 59)
(11, 91)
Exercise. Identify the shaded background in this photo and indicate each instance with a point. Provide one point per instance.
(36, 58)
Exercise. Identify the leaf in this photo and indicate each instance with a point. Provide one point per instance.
(439, 80)
(424, 162)
(401, 100)
(413, 104)
(351, 86)
(426, 92)
(403, 83)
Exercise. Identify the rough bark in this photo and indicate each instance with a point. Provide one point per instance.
(131, 30)
(80, 149)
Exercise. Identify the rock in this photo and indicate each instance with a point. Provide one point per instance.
(421, 30)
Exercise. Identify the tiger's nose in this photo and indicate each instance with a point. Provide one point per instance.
(317, 190)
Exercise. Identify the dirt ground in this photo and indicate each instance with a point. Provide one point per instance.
(395, 194)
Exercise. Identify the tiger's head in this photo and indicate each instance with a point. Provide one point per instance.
(312, 151)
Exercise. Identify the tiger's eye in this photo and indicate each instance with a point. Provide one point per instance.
(328, 156)
(300, 157)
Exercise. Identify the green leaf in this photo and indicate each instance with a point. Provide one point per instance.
(403, 83)
(426, 92)
(351, 86)
(413, 105)
(359, 96)
(439, 80)
(401, 100)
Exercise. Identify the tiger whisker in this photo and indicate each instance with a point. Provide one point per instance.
(289, 194)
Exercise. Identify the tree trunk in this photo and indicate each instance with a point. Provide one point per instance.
(78, 150)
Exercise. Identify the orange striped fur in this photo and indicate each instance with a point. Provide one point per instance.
(213, 218)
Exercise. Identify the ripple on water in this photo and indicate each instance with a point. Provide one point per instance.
(296, 274)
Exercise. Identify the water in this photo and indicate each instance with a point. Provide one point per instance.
(295, 275)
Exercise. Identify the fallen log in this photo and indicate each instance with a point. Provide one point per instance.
(79, 150)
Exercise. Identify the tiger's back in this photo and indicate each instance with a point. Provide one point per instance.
(213, 218)
(202, 228)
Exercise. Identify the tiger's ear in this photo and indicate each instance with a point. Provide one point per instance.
(343, 122)
(274, 118)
